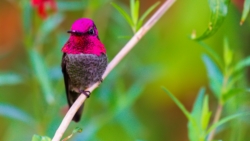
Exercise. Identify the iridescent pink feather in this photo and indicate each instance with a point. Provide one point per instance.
(87, 44)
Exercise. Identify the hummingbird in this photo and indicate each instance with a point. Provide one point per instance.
(84, 61)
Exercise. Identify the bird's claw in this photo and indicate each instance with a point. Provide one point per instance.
(86, 93)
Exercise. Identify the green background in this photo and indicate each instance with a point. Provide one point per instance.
(130, 104)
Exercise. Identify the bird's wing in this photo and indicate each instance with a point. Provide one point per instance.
(71, 96)
(66, 77)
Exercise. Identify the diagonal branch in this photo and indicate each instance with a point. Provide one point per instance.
(132, 42)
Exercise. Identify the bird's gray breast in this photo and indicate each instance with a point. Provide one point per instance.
(85, 69)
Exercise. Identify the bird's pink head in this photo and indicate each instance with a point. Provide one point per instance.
(84, 39)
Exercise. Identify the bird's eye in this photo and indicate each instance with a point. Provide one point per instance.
(91, 31)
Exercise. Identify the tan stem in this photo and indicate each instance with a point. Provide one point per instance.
(216, 119)
(141, 32)
(219, 108)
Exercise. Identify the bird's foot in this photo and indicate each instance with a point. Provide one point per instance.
(86, 93)
(101, 80)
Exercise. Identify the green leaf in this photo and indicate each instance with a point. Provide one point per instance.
(228, 54)
(232, 92)
(10, 78)
(226, 119)
(128, 119)
(41, 74)
(241, 65)
(27, 13)
(245, 11)
(179, 104)
(150, 9)
(12, 112)
(26, 16)
(191, 120)
(234, 79)
(50, 24)
(214, 74)
(219, 10)
(134, 7)
(205, 118)
(213, 54)
(77, 130)
(197, 107)
(124, 14)
(71, 5)
(132, 95)
(40, 138)
(194, 131)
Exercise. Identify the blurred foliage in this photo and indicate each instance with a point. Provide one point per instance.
(40, 138)
(219, 10)
(76, 130)
(222, 85)
(245, 11)
(134, 21)
(129, 104)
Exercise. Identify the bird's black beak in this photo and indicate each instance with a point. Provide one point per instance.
(77, 33)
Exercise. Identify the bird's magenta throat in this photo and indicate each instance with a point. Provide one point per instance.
(86, 45)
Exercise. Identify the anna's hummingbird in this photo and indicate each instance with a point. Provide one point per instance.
(84, 61)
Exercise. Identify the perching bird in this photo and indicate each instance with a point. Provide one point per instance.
(84, 61)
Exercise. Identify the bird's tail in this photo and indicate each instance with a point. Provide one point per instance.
(72, 96)
(78, 114)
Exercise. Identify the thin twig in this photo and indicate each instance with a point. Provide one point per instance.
(143, 30)
(219, 107)
(216, 119)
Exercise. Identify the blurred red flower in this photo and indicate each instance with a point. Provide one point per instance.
(42, 5)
